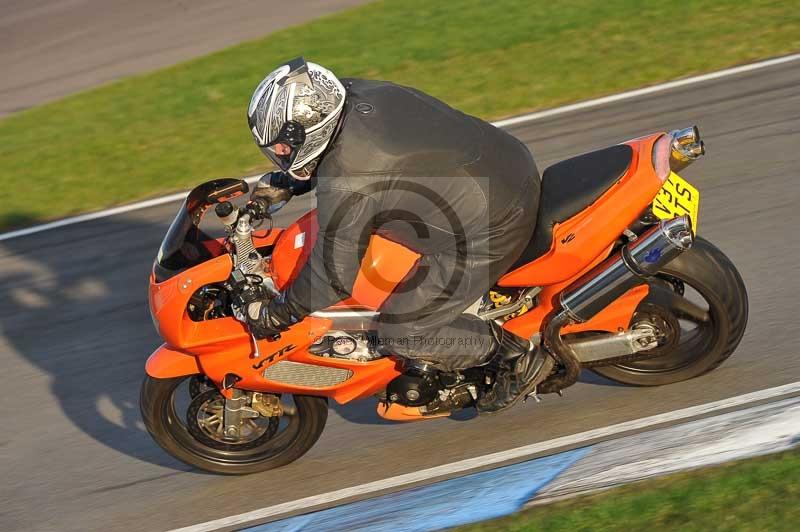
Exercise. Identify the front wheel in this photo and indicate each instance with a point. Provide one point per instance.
(185, 419)
(698, 302)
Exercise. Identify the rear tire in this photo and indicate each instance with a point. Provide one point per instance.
(167, 425)
(713, 276)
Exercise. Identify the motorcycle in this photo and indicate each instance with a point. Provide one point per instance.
(614, 279)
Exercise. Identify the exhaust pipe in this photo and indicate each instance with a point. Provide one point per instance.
(686, 147)
(637, 261)
(608, 281)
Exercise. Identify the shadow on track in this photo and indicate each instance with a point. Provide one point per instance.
(359, 412)
(590, 377)
(76, 308)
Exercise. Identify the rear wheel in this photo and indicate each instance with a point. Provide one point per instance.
(698, 302)
(184, 416)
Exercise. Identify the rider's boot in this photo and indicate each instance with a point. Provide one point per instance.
(518, 366)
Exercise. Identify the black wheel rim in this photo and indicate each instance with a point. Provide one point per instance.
(280, 434)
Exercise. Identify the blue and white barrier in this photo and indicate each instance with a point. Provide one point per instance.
(486, 495)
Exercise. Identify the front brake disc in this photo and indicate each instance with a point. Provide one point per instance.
(204, 419)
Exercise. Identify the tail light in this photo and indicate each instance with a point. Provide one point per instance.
(661, 151)
(676, 150)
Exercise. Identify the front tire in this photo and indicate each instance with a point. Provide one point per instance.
(690, 353)
(166, 422)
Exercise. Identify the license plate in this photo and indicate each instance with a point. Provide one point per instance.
(676, 198)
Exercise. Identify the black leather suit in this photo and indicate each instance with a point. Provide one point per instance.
(459, 191)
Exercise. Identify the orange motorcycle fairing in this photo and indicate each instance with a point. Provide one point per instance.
(614, 318)
(169, 300)
(221, 346)
(292, 249)
(384, 265)
(398, 412)
(264, 237)
(585, 236)
(166, 363)
(283, 365)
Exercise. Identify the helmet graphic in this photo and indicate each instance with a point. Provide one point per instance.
(293, 115)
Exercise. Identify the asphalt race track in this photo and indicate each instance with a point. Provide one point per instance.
(76, 332)
(51, 48)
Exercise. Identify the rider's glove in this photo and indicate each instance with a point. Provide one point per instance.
(278, 188)
(261, 322)
(272, 188)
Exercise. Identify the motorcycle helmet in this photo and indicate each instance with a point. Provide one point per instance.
(293, 115)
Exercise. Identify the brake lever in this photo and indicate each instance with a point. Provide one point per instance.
(256, 352)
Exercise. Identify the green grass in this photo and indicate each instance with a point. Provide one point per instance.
(759, 494)
(161, 132)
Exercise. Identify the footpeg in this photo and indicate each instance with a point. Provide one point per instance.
(533, 395)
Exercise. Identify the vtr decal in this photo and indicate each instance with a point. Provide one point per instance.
(282, 352)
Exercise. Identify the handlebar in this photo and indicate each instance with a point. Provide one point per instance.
(256, 209)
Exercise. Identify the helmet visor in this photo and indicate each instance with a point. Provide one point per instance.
(292, 135)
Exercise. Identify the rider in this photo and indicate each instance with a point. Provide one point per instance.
(390, 160)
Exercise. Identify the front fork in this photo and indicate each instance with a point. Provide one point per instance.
(236, 411)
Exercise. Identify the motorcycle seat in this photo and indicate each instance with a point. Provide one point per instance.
(570, 186)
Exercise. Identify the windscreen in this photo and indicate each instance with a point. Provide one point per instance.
(185, 244)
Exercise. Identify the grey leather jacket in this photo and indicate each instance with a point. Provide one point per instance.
(414, 170)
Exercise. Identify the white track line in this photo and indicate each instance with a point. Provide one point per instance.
(647, 90)
(102, 214)
(463, 466)
(502, 123)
